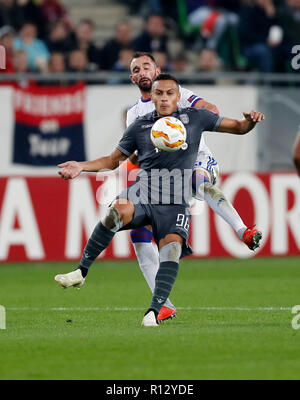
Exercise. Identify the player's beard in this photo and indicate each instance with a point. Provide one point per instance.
(145, 86)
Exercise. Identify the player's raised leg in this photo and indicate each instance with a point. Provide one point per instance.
(148, 259)
(169, 254)
(205, 189)
(117, 216)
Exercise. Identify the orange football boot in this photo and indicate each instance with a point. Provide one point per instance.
(252, 237)
(166, 313)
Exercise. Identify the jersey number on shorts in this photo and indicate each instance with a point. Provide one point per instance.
(183, 221)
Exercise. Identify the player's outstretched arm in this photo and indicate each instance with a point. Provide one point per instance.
(240, 127)
(71, 169)
(296, 153)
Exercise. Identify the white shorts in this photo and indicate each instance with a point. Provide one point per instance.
(208, 163)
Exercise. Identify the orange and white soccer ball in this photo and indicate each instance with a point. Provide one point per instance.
(169, 134)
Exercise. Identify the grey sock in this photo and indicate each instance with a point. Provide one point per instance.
(165, 278)
(99, 241)
(164, 282)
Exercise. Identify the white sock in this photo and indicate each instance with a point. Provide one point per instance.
(218, 202)
(148, 259)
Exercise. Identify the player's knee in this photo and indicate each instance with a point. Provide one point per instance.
(113, 220)
(141, 235)
(170, 252)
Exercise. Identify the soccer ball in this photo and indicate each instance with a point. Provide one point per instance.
(168, 134)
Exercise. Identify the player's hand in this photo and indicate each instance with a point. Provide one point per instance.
(254, 116)
(70, 169)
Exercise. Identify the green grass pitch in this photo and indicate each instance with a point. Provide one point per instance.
(234, 322)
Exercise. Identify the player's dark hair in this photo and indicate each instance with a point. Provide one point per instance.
(139, 54)
(166, 77)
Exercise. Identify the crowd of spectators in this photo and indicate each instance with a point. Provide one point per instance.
(231, 34)
(39, 35)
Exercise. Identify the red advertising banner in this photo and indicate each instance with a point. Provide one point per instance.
(47, 218)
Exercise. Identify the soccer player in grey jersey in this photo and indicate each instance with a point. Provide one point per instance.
(147, 201)
(205, 174)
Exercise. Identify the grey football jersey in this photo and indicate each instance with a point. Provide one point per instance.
(164, 177)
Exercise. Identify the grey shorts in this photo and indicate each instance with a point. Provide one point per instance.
(164, 219)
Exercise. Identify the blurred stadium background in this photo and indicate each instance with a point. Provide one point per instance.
(63, 94)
